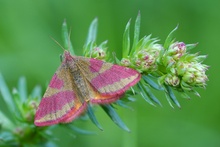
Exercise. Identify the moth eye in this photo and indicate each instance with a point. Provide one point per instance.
(61, 57)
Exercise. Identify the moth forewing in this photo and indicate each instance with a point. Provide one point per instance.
(80, 80)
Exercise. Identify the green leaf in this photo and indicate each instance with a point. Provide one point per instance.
(103, 44)
(66, 38)
(131, 91)
(88, 48)
(185, 86)
(114, 116)
(6, 123)
(168, 99)
(36, 92)
(200, 58)
(151, 42)
(136, 32)
(91, 37)
(116, 60)
(171, 95)
(141, 43)
(144, 94)
(19, 104)
(6, 95)
(152, 96)
(184, 95)
(169, 38)
(144, 43)
(196, 93)
(161, 79)
(131, 99)
(22, 89)
(79, 130)
(46, 134)
(92, 117)
(191, 46)
(126, 41)
(6, 139)
(50, 144)
(153, 84)
(123, 104)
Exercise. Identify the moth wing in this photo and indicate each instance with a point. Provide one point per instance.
(109, 80)
(60, 103)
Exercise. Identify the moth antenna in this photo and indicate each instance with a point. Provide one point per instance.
(57, 43)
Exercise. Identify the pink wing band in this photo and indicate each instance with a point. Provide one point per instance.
(56, 82)
(52, 107)
(66, 118)
(113, 97)
(116, 75)
(112, 81)
(55, 102)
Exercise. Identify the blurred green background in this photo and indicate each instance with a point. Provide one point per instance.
(26, 48)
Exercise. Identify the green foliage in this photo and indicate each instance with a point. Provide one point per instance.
(171, 65)
(164, 68)
(18, 129)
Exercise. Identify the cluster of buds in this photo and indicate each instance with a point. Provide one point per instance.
(183, 70)
(97, 52)
(125, 62)
(173, 53)
(179, 68)
(176, 50)
(29, 110)
(193, 74)
(171, 63)
(146, 58)
(172, 80)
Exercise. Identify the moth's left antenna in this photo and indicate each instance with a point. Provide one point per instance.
(58, 43)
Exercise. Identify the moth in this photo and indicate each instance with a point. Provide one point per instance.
(79, 81)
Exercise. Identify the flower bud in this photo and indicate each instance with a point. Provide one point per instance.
(145, 61)
(30, 108)
(125, 62)
(176, 50)
(157, 48)
(98, 53)
(195, 74)
(172, 80)
(188, 77)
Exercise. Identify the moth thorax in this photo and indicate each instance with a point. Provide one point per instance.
(67, 56)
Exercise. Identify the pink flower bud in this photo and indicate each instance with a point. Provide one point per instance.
(98, 53)
(125, 62)
(176, 50)
(172, 80)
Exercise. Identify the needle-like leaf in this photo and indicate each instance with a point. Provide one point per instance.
(126, 41)
(114, 116)
(92, 117)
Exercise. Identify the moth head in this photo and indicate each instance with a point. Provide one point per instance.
(67, 56)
